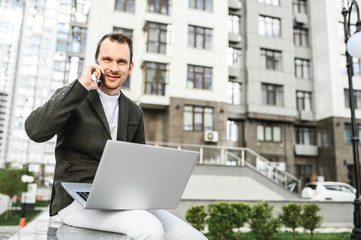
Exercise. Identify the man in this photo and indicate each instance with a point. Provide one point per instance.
(84, 116)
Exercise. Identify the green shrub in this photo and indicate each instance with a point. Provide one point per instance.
(290, 216)
(241, 214)
(309, 218)
(262, 221)
(219, 220)
(196, 216)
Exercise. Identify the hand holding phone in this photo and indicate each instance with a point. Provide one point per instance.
(94, 78)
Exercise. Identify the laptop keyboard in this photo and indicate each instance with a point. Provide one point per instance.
(83, 195)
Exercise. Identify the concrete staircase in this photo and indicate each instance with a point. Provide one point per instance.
(235, 173)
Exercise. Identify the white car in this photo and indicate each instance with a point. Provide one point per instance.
(333, 191)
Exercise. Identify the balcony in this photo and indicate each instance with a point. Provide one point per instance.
(301, 19)
(234, 4)
(234, 37)
(154, 102)
(306, 150)
(305, 115)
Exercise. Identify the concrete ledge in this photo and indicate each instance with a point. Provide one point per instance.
(51, 228)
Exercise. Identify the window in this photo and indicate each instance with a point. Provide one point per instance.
(341, 31)
(271, 59)
(199, 77)
(126, 31)
(270, 2)
(76, 66)
(234, 90)
(300, 37)
(159, 6)
(355, 65)
(268, 132)
(299, 6)
(234, 57)
(233, 24)
(303, 101)
(124, 5)
(348, 132)
(269, 26)
(61, 46)
(302, 68)
(157, 37)
(59, 66)
(304, 173)
(272, 94)
(357, 98)
(197, 118)
(155, 78)
(205, 5)
(232, 130)
(304, 135)
(78, 40)
(199, 37)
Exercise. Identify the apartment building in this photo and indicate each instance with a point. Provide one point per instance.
(41, 60)
(11, 16)
(268, 75)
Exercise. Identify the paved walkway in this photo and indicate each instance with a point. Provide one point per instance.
(8, 231)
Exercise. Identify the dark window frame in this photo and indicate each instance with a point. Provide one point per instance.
(300, 68)
(196, 32)
(272, 58)
(194, 4)
(194, 112)
(159, 86)
(270, 94)
(161, 29)
(268, 20)
(192, 70)
(159, 6)
(128, 6)
(300, 34)
(272, 126)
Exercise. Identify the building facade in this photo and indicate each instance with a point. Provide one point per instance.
(269, 75)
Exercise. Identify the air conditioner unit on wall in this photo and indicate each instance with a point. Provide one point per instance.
(211, 136)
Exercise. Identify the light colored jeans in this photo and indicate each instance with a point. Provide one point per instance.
(137, 224)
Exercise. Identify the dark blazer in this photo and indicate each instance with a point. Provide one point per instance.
(77, 117)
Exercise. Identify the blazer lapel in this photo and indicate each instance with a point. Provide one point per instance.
(94, 99)
(123, 118)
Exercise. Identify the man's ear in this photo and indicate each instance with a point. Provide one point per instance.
(131, 68)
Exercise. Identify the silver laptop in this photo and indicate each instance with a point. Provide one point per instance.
(136, 176)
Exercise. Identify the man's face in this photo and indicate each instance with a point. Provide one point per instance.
(114, 58)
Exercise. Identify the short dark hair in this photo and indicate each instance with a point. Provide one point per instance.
(116, 37)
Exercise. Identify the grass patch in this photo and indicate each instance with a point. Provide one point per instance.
(42, 203)
(15, 216)
(288, 236)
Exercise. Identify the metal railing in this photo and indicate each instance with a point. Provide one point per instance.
(239, 156)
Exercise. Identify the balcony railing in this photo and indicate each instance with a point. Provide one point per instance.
(238, 156)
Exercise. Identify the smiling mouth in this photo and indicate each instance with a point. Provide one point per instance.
(113, 77)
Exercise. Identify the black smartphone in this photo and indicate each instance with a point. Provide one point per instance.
(98, 80)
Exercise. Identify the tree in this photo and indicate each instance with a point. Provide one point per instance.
(262, 221)
(309, 218)
(196, 216)
(10, 182)
(240, 215)
(291, 216)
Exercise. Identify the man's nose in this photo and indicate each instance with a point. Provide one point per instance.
(114, 66)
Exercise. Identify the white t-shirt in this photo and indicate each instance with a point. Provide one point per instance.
(111, 109)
